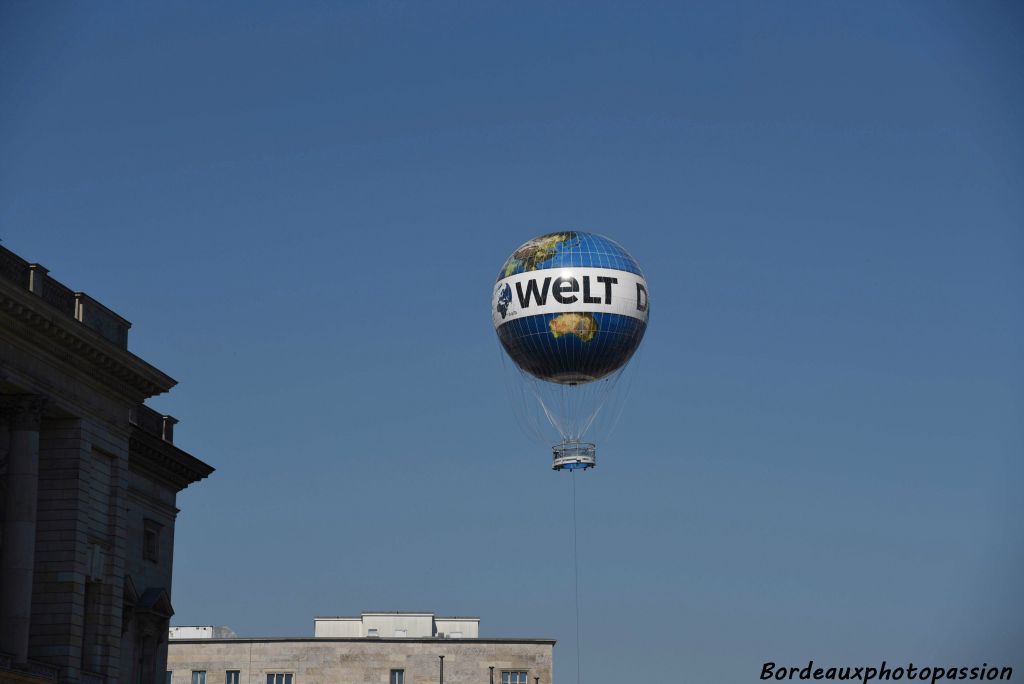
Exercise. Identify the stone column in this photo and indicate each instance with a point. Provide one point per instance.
(17, 558)
(4, 441)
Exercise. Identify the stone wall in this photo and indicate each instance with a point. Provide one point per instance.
(359, 661)
(77, 593)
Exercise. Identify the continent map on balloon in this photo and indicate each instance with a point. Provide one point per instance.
(582, 326)
(529, 256)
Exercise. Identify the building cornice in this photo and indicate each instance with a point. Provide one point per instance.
(157, 458)
(68, 339)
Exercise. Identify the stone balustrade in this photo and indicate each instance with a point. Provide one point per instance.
(77, 305)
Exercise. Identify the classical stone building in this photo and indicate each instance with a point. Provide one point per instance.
(88, 481)
(374, 648)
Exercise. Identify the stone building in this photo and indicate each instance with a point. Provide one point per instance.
(88, 481)
(374, 648)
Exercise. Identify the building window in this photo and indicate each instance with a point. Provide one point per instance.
(372, 632)
(169, 677)
(151, 540)
(513, 677)
(398, 677)
(231, 677)
(279, 678)
(198, 676)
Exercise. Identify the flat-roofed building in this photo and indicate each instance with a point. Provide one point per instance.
(378, 647)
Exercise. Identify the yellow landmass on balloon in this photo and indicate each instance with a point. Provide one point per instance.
(582, 325)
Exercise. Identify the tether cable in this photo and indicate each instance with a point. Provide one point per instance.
(576, 576)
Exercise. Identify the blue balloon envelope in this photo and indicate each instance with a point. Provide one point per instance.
(570, 307)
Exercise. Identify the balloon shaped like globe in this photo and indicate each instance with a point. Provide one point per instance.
(571, 307)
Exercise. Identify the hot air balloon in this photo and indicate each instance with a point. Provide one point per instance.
(570, 310)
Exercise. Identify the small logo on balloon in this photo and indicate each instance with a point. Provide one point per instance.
(504, 299)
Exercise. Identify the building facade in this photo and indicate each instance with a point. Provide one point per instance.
(88, 481)
(374, 648)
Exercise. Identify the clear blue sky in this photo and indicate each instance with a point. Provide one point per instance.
(302, 208)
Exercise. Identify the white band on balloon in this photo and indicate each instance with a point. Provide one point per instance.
(563, 290)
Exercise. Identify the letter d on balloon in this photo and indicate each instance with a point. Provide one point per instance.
(641, 298)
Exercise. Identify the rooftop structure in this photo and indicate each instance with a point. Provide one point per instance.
(397, 625)
(391, 624)
(201, 632)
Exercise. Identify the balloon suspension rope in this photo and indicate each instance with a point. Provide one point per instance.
(576, 576)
